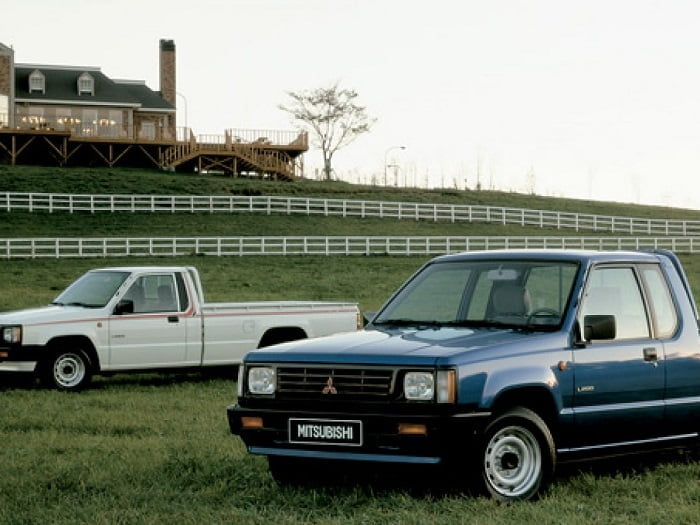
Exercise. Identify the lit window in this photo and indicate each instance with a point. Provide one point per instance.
(86, 84)
(37, 82)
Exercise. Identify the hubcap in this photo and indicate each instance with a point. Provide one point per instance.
(69, 370)
(513, 461)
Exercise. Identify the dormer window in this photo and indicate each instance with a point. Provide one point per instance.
(86, 84)
(37, 82)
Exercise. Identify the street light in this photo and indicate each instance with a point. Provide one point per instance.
(385, 161)
(396, 173)
(184, 99)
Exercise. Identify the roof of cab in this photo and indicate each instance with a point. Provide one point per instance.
(553, 254)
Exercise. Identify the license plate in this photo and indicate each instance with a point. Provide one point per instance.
(325, 432)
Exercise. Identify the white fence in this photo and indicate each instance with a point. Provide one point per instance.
(356, 245)
(55, 202)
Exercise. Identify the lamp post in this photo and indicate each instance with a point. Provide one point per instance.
(184, 99)
(385, 159)
(396, 168)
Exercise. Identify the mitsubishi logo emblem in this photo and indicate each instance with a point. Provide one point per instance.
(329, 388)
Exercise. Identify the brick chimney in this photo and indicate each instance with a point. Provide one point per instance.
(167, 71)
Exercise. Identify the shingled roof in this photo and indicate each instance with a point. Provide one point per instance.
(61, 86)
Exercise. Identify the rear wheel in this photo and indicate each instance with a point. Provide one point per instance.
(517, 456)
(67, 370)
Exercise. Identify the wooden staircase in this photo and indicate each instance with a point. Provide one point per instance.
(236, 156)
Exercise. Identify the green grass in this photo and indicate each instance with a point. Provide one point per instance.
(40, 224)
(154, 448)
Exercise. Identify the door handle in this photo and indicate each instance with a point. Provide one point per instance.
(650, 355)
(173, 319)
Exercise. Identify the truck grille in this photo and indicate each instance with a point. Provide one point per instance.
(338, 382)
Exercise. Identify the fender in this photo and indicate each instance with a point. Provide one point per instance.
(504, 382)
(93, 329)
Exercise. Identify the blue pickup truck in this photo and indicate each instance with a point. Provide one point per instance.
(496, 364)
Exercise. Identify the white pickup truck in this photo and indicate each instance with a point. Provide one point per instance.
(151, 318)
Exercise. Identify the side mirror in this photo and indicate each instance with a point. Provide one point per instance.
(125, 306)
(599, 327)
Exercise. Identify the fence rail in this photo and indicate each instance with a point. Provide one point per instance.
(56, 202)
(72, 247)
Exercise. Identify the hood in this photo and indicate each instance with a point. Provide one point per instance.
(393, 346)
(48, 314)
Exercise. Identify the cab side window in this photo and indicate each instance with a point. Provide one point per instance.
(153, 293)
(661, 303)
(615, 291)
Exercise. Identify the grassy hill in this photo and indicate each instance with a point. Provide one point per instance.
(126, 181)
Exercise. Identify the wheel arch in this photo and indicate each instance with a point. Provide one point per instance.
(84, 342)
(282, 334)
(536, 398)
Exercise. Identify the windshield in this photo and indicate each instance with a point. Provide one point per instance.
(527, 294)
(92, 290)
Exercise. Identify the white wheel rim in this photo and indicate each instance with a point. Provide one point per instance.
(69, 370)
(513, 461)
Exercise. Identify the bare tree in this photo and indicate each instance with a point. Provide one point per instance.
(333, 117)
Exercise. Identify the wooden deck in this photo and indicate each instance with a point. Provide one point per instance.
(240, 153)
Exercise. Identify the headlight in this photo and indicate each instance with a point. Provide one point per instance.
(12, 334)
(261, 380)
(419, 386)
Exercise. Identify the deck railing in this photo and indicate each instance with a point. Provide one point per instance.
(76, 247)
(99, 203)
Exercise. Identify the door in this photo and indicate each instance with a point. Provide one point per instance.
(154, 334)
(619, 383)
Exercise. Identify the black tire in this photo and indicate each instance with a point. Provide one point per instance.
(517, 456)
(68, 370)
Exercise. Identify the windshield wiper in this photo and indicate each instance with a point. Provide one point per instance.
(406, 322)
(84, 305)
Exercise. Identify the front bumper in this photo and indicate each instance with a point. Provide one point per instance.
(17, 366)
(445, 436)
(16, 357)
(19, 358)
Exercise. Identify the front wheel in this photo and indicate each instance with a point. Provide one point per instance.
(67, 370)
(517, 456)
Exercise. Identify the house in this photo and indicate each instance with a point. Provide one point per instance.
(78, 116)
(85, 101)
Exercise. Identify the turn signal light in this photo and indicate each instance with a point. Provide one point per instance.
(251, 422)
(413, 429)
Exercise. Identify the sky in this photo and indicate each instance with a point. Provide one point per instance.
(584, 99)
